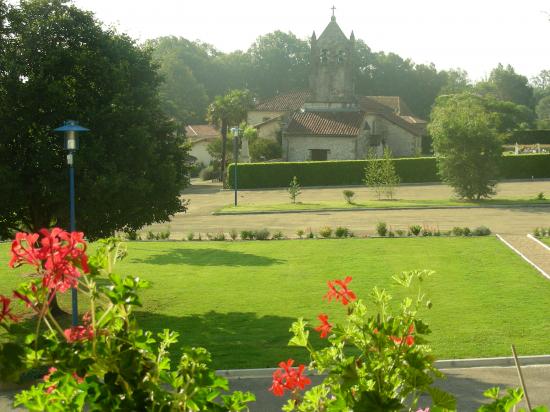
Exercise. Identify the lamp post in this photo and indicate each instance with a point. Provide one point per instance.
(236, 132)
(70, 128)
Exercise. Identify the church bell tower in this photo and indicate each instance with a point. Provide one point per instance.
(332, 57)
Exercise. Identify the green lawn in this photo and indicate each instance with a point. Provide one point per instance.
(239, 298)
(385, 204)
(546, 240)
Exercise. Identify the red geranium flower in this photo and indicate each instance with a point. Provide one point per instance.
(325, 327)
(78, 333)
(288, 378)
(409, 339)
(5, 311)
(58, 254)
(338, 289)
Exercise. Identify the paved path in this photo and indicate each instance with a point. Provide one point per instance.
(531, 249)
(206, 197)
(467, 385)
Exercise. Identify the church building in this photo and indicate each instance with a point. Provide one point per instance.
(329, 121)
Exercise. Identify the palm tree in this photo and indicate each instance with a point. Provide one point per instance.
(226, 110)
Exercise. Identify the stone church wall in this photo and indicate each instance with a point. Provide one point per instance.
(297, 148)
(401, 142)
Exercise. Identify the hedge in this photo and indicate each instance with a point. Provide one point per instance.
(351, 172)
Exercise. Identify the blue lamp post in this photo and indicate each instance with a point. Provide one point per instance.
(236, 133)
(70, 129)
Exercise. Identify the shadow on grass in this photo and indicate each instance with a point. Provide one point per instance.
(236, 340)
(207, 257)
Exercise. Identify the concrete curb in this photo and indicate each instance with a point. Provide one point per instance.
(544, 245)
(374, 209)
(542, 272)
(536, 360)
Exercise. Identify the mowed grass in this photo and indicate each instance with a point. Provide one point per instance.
(239, 299)
(379, 204)
(546, 240)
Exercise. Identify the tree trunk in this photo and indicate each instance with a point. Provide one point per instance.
(224, 149)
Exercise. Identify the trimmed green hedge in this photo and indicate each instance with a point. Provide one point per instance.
(351, 172)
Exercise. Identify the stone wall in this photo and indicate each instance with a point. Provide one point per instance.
(199, 151)
(255, 117)
(297, 148)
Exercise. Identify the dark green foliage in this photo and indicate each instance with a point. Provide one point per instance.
(481, 231)
(264, 149)
(341, 232)
(63, 65)
(351, 172)
(528, 137)
(381, 229)
(262, 234)
(415, 229)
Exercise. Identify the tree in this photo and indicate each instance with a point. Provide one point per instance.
(505, 84)
(226, 110)
(466, 144)
(294, 189)
(543, 113)
(58, 63)
(373, 173)
(264, 149)
(456, 81)
(390, 179)
(183, 98)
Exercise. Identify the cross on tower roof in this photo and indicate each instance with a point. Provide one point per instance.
(333, 8)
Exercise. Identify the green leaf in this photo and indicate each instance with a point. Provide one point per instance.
(442, 399)
(301, 335)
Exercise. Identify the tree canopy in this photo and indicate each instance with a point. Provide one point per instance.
(466, 143)
(58, 63)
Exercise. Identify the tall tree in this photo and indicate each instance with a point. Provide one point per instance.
(58, 63)
(505, 84)
(543, 113)
(280, 62)
(224, 111)
(466, 144)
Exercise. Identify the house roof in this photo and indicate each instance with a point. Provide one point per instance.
(392, 108)
(326, 123)
(284, 102)
(197, 132)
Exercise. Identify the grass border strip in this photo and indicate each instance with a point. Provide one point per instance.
(374, 209)
(543, 273)
(544, 245)
(497, 362)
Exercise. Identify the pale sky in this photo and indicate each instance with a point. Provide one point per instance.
(471, 34)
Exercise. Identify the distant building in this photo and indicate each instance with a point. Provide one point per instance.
(329, 121)
(200, 135)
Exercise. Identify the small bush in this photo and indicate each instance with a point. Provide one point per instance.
(294, 189)
(163, 235)
(391, 233)
(325, 232)
(466, 231)
(426, 231)
(248, 235)
(209, 236)
(278, 236)
(457, 231)
(219, 237)
(541, 196)
(300, 233)
(190, 236)
(382, 229)
(437, 232)
(199, 238)
(262, 234)
(208, 173)
(132, 235)
(341, 232)
(415, 229)
(481, 231)
(233, 234)
(348, 195)
(400, 232)
(150, 235)
(538, 232)
(310, 235)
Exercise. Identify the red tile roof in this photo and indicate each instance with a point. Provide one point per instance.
(201, 131)
(326, 123)
(284, 102)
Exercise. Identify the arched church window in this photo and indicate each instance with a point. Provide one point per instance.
(324, 56)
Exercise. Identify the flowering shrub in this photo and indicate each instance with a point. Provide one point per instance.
(377, 360)
(107, 362)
